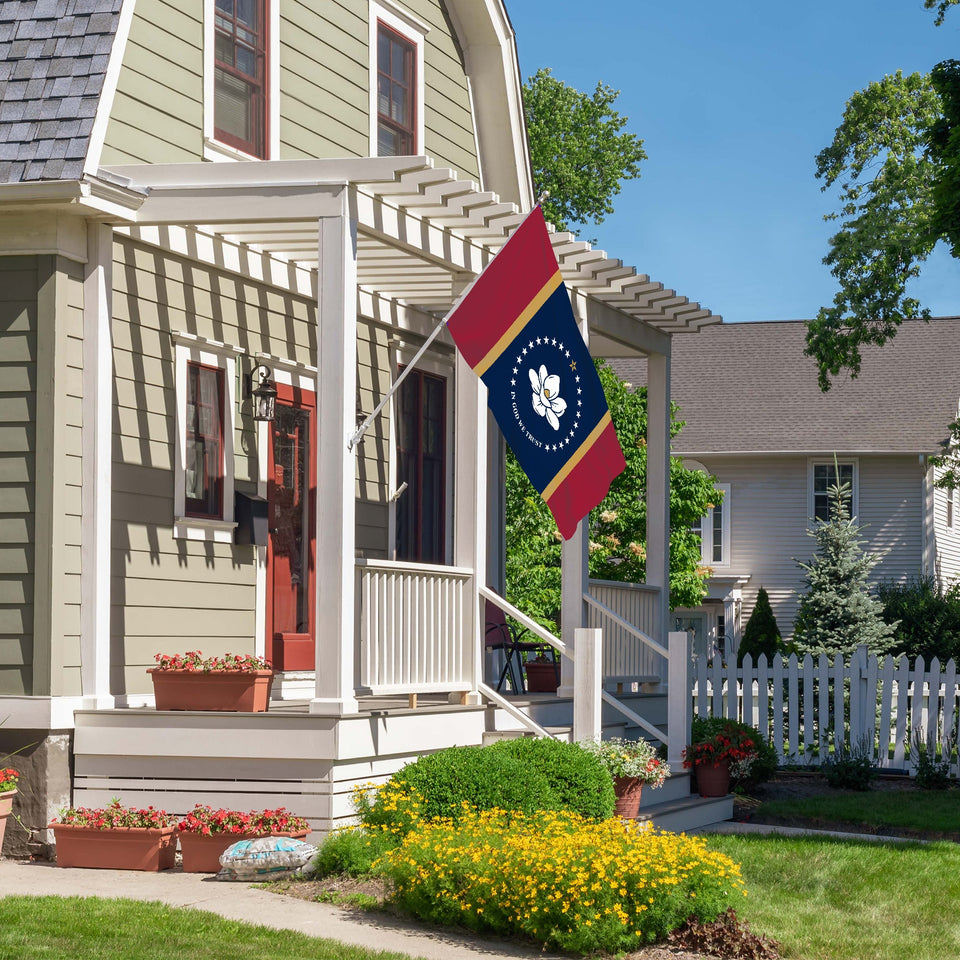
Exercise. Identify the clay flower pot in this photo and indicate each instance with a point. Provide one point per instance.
(541, 676)
(6, 808)
(116, 848)
(713, 780)
(220, 690)
(627, 791)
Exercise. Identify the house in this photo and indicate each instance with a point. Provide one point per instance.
(757, 421)
(199, 200)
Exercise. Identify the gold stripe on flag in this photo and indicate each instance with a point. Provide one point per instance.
(582, 451)
(532, 307)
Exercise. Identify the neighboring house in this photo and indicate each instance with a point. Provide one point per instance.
(756, 420)
(195, 198)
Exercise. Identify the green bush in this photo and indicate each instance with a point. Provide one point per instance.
(927, 618)
(849, 768)
(352, 852)
(933, 773)
(524, 775)
(761, 634)
(763, 767)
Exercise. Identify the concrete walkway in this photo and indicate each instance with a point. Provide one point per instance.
(239, 901)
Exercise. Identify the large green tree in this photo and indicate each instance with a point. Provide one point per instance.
(618, 526)
(896, 160)
(579, 150)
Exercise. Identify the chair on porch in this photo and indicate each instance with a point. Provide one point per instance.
(501, 636)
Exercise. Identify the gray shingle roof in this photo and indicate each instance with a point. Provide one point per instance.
(748, 388)
(53, 58)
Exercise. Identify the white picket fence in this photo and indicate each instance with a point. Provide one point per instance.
(806, 707)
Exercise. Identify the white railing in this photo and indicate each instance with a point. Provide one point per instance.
(638, 605)
(414, 628)
(809, 708)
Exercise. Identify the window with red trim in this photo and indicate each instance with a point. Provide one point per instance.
(240, 75)
(396, 94)
(203, 463)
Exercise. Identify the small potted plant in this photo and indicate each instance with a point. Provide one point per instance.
(542, 675)
(712, 758)
(205, 833)
(631, 763)
(115, 837)
(8, 790)
(190, 681)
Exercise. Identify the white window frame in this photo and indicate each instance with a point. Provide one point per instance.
(401, 353)
(829, 461)
(707, 540)
(415, 31)
(191, 349)
(214, 149)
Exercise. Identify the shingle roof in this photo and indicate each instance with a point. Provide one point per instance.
(748, 388)
(53, 58)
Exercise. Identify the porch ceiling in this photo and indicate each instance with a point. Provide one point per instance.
(423, 235)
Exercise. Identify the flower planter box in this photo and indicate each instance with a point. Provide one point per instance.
(6, 808)
(541, 677)
(236, 691)
(119, 848)
(201, 852)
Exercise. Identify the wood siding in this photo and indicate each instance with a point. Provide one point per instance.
(946, 536)
(324, 70)
(768, 521)
(18, 380)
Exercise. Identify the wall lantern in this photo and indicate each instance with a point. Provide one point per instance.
(263, 390)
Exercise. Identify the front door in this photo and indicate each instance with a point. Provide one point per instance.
(291, 550)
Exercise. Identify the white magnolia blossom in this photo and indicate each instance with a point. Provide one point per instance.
(546, 396)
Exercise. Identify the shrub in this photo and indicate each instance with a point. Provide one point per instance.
(559, 879)
(932, 774)
(760, 769)
(849, 769)
(927, 618)
(727, 936)
(761, 634)
(352, 851)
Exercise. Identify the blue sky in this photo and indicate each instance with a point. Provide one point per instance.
(733, 101)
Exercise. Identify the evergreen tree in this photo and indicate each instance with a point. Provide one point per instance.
(761, 634)
(837, 612)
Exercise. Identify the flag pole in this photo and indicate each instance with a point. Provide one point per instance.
(368, 420)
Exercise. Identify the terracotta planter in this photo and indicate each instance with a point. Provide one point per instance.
(541, 677)
(201, 852)
(6, 808)
(713, 781)
(627, 790)
(121, 848)
(217, 690)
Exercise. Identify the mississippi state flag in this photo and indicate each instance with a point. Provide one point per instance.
(516, 329)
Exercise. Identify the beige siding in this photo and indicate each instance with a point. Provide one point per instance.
(946, 534)
(768, 521)
(18, 331)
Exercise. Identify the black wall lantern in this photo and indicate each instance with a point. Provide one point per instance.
(263, 390)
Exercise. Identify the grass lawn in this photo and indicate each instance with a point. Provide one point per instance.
(53, 928)
(929, 811)
(839, 900)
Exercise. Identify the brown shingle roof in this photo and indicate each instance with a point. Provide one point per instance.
(53, 58)
(748, 388)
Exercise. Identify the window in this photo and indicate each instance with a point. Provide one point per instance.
(203, 451)
(240, 75)
(823, 476)
(714, 531)
(203, 463)
(396, 81)
(421, 465)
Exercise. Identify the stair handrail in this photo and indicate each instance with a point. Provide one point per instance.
(511, 611)
(626, 625)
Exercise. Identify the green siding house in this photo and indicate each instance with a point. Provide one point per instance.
(200, 197)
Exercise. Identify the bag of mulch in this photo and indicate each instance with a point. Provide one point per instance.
(266, 858)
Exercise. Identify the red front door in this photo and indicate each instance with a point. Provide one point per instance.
(291, 550)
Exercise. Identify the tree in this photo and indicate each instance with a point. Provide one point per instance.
(577, 149)
(838, 612)
(896, 158)
(618, 526)
(761, 634)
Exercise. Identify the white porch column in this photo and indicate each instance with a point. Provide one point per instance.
(588, 704)
(658, 482)
(336, 472)
(470, 509)
(97, 475)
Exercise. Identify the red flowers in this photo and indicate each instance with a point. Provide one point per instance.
(194, 661)
(729, 743)
(8, 780)
(207, 821)
(115, 815)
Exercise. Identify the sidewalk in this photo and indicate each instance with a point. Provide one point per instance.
(238, 901)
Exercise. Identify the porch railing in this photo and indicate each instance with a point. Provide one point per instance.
(411, 627)
(638, 606)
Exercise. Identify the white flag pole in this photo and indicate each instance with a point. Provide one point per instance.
(365, 425)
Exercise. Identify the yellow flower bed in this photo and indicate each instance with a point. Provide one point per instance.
(560, 879)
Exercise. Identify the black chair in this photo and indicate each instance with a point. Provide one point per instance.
(500, 636)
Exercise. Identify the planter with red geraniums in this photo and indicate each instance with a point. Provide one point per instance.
(234, 682)
(712, 758)
(631, 763)
(205, 833)
(8, 790)
(115, 838)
